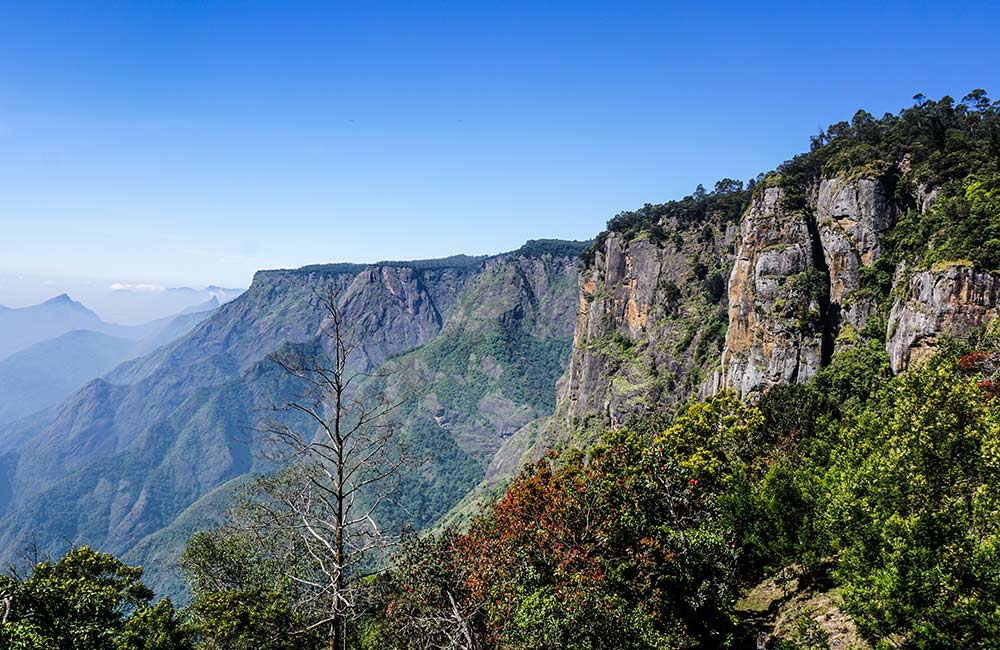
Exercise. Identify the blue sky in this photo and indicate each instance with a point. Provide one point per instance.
(194, 142)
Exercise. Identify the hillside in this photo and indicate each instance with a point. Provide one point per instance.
(842, 503)
(129, 453)
(23, 327)
(883, 231)
(44, 374)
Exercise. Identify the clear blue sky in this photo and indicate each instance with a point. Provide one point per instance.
(194, 142)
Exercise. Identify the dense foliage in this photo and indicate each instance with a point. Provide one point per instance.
(940, 149)
(887, 487)
(727, 201)
(85, 601)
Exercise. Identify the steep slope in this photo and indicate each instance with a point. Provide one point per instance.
(887, 230)
(801, 287)
(492, 370)
(651, 314)
(650, 321)
(128, 454)
(48, 372)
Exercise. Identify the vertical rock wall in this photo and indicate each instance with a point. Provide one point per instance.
(938, 303)
(795, 285)
(648, 323)
(795, 296)
(852, 219)
(775, 332)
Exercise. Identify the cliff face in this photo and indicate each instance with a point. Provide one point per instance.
(803, 267)
(776, 299)
(795, 287)
(938, 303)
(650, 315)
(853, 219)
(649, 331)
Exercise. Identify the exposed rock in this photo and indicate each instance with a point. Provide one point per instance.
(775, 311)
(926, 196)
(792, 604)
(646, 327)
(938, 302)
(615, 297)
(853, 218)
(794, 285)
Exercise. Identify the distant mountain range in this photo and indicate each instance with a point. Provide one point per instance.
(47, 372)
(140, 303)
(20, 328)
(23, 327)
(123, 303)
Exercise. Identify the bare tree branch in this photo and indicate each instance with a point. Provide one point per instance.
(347, 464)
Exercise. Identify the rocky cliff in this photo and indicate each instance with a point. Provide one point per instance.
(777, 301)
(936, 303)
(795, 291)
(810, 270)
(651, 312)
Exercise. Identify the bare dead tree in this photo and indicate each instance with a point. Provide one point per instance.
(444, 627)
(6, 602)
(346, 464)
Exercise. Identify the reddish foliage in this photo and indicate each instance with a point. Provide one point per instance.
(987, 366)
(601, 537)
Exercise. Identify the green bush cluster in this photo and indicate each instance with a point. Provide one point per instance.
(725, 203)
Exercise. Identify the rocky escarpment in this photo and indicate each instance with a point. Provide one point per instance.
(493, 367)
(650, 323)
(853, 219)
(773, 291)
(778, 300)
(650, 318)
(795, 289)
(936, 303)
(810, 273)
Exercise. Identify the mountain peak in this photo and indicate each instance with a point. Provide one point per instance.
(64, 300)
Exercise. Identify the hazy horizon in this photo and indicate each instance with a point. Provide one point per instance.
(184, 145)
(18, 290)
(114, 302)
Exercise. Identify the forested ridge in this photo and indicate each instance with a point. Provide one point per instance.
(858, 507)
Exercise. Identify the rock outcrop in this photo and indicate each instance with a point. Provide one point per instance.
(794, 273)
(800, 265)
(951, 301)
(777, 299)
(853, 218)
(650, 321)
(795, 284)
